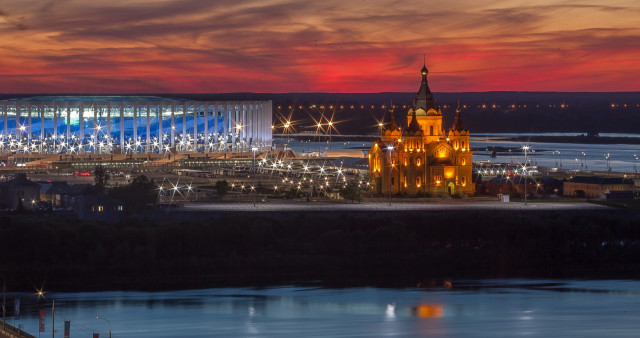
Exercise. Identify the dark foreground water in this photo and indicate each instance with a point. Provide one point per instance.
(494, 308)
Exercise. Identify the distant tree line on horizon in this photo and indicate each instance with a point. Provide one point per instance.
(582, 112)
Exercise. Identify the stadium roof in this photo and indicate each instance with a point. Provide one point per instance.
(93, 98)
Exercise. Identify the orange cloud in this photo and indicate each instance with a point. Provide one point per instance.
(136, 46)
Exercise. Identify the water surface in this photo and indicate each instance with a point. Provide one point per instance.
(494, 308)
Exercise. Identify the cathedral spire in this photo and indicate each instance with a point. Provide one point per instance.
(457, 124)
(424, 98)
(391, 125)
(414, 126)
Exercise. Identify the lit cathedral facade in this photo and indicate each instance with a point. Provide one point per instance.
(421, 159)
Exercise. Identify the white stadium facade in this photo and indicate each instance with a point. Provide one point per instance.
(132, 124)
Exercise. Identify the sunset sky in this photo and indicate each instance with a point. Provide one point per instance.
(275, 46)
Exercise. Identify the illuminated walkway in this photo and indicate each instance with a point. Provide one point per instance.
(384, 206)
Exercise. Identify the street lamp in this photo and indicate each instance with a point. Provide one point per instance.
(106, 320)
(557, 153)
(524, 171)
(330, 124)
(4, 299)
(390, 149)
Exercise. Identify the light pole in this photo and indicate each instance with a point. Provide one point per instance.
(106, 320)
(330, 124)
(4, 299)
(390, 149)
(584, 156)
(524, 171)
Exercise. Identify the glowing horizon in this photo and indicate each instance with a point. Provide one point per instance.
(271, 46)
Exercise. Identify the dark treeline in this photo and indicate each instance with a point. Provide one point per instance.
(539, 112)
(337, 249)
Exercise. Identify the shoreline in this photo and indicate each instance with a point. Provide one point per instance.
(581, 139)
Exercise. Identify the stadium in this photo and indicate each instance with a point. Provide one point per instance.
(132, 125)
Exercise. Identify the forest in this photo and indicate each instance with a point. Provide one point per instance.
(345, 249)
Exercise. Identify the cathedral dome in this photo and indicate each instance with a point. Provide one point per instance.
(424, 70)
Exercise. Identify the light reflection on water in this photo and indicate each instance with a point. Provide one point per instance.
(495, 308)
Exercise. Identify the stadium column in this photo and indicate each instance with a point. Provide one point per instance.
(215, 122)
(258, 126)
(249, 127)
(68, 111)
(261, 122)
(108, 124)
(95, 128)
(250, 134)
(55, 125)
(148, 128)
(135, 128)
(16, 130)
(159, 111)
(268, 120)
(42, 140)
(244, 124)
(234, 121)
(81, 121)
(195, 128)
(269, 115)
(206, 127)
(184, 126)
(254, 125)
(122, 128)
(28, 124)
(225, 124)
(173, 125)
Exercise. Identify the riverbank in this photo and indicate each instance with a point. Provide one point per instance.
(346, 249)
(580, 139)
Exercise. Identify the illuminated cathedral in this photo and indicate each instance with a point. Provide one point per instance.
(421, 160)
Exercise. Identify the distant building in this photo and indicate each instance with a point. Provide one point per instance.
(53, 192)
(88, 204)
(422, 159)
(19, 189)
(596, 186)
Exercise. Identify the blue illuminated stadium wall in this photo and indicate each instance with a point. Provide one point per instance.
(53, 123)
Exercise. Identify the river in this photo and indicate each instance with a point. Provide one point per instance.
(568, 156)
(486, 308)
